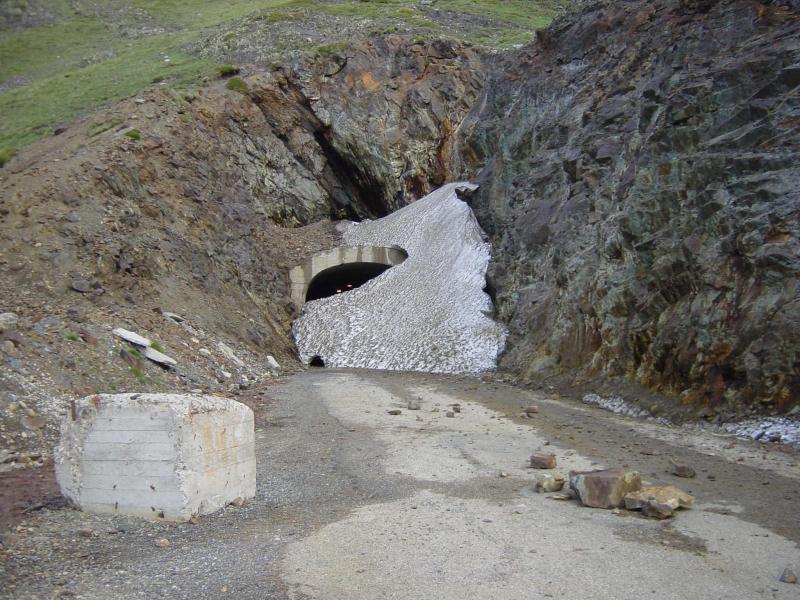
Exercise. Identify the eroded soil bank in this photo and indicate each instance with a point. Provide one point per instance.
(354, 502)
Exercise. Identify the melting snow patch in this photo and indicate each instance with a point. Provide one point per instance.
(768, 429)
(429, 313)
(617, 405)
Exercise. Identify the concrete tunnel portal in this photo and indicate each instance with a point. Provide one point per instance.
(340, 270)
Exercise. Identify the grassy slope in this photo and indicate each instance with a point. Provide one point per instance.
(79, 64)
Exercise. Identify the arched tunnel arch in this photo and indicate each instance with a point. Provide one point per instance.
(326, 273)
(342, 278)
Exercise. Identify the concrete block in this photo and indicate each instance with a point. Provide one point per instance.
(158, 456)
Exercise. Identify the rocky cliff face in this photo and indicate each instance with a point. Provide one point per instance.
(640, 183)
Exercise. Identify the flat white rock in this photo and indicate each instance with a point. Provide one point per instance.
(130, 336)
(429, 313)
(159, 357)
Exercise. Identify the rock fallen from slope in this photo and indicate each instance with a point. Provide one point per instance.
(681, 469)
(549, 483)
(658, 501)
(604, 488)
(543, 460)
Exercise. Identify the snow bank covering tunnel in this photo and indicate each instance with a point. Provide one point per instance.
(427, 313)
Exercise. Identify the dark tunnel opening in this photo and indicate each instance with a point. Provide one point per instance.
(342, 278)
(316, 361)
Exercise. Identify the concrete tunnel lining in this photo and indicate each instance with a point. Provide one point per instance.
(302, 276)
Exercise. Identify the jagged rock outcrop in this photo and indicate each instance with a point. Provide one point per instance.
(640, 183)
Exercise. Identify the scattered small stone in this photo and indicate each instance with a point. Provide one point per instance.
(449, 413)
(79, 284)
(456, 408)
(561, 497)
(503, 474)
(228, 353)
(605, 488)
(238, 502)
(680, 469)
(173, 317)
(395, 411)
(543, 460)
(657, 510)
(194, 520)
(8, 320)
(788, 576)
(414, 404)
(531, 410)
(87, 533)
(9, 348)
(33, 422)
(162, 543)
(272, 363)
(549, 483)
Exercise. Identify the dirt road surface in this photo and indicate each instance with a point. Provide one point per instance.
(356, 503)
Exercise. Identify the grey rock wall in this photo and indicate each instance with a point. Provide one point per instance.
(640, 184)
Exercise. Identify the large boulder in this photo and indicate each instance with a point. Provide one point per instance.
(605, 488)
(158, 456)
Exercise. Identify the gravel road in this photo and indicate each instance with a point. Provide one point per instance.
(356, 503)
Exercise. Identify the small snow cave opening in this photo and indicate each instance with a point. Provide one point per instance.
(316, 361)
(342, 278)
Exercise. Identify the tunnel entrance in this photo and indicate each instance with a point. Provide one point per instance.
(316, 361)
(342, 278)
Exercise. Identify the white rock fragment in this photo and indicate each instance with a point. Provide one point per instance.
(272, 363)
(8, 320)
(158, 456)
(228, 353)
(130, 336)
(159, 357)
(428, 313)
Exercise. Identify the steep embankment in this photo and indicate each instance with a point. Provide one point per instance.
(198, 206)
(639, 172)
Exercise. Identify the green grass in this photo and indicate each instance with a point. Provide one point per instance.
(237, 85)
(228, 71)
(157, 347)
(36, 107)
(72, 337)
(134, 134)
(98, 127)
(138, 374)
(64, 70)
(530, 14)
(6, 154)
(332, 48)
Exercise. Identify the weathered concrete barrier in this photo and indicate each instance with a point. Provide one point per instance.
(158, 456)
